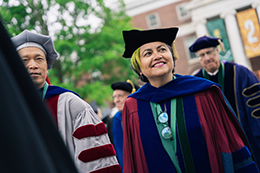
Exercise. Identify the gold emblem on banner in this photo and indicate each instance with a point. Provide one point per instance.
(250, 32)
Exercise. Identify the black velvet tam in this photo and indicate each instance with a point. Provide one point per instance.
(136, 38)
(125, 86)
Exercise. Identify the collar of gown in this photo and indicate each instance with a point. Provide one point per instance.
(181, 86)
(213, 74)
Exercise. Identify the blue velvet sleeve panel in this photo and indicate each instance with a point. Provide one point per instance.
(248, 102)
(243, 161)
(239, 162)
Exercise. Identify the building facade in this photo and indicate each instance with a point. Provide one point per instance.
(235, 21)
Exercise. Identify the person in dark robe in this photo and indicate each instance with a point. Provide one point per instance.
(177, 123)
(82, 131)
(115, 130)
(239, 84)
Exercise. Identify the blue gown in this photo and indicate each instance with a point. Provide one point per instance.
(118, 136)
(242, 89)
(208, 135)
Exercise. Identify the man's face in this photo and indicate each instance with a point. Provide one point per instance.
(35, 62)
(209, 58)
(119, 97)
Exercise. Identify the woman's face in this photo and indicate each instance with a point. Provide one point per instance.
(156, 60)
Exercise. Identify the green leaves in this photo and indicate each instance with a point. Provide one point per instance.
(90, 58)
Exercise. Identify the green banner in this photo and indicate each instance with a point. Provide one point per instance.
(216, 28)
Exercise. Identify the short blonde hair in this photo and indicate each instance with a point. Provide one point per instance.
(135, 60)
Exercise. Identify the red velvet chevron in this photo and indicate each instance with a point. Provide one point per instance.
(97, 153)
(110, 169)
(90, 130)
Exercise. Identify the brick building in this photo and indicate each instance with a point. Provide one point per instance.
(203, 17)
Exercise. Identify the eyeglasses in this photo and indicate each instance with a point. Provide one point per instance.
(210, 52)
(163, 118)
(118, 96)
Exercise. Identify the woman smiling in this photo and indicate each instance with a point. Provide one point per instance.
(177, 123)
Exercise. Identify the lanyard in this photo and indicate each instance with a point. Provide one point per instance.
(169, 145)
(173, 120)
(172, 115)
(45, 88)
(221, 75)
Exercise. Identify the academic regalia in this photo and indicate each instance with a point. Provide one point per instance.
(242, 90)
(30, 141)
(115, 122)
(209, 137)
(118, 136)
(84, 134)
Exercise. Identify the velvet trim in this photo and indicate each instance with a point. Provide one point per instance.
(110, 169)
(52, 103)
(253, 102)
(97, 153)
(195, 135)
(227, 162)
(56, 90)
(248, 168)
(241, 155)
(251, 90)
(183, 136)
(90, 130)
(179, 87)
(154, 152)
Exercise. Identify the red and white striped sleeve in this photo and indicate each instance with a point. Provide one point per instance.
(91, 146)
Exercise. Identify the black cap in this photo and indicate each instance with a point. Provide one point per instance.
(204, 42)
(125, 86)
(136, 38)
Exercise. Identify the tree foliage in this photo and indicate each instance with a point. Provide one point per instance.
(90, 59)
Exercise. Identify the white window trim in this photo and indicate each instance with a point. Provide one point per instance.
(180, 17)
(187, 51)
(157, 20)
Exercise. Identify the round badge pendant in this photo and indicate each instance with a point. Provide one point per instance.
(163, 117)
(166, 132)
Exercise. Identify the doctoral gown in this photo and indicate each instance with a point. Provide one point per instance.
(211, 139)
(118, 136)
(83, 132)
(242, 89)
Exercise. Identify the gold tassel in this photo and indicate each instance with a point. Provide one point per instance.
(175, 53)
(221, 44)
(133, 86)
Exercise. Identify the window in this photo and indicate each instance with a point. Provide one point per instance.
(182, 12)
(153, 20)
(187, 43)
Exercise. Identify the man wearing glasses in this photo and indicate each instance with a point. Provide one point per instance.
(121, 90)
(239, 84)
